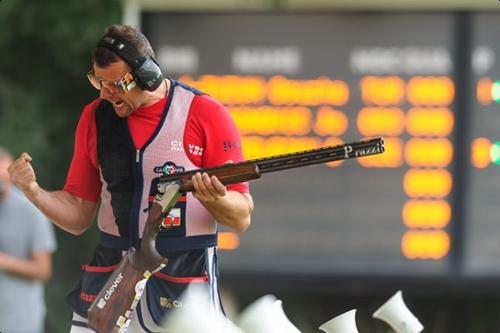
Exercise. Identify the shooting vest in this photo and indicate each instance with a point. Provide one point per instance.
(129, 178)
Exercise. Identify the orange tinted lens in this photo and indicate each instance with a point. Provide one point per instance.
(126, 83)
(93, 81)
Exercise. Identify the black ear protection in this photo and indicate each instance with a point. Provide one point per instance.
(145, 69)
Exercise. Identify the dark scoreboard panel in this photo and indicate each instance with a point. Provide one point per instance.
(299, 81)
(482, 241)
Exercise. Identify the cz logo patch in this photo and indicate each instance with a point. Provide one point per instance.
(170, 303)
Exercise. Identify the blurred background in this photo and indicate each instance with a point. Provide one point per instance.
(299, 74)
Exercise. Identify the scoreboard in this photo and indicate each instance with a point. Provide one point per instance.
(482, 241)
(296, 81)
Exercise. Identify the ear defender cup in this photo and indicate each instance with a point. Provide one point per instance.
(148, 75)
(146, 71)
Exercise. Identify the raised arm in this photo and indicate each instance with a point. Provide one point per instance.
(67, 211)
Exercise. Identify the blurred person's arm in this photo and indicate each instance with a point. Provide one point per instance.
(37, 267)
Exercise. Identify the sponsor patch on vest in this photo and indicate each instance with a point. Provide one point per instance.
(169, 168)
(170, 303)
(176, 145)
(173, 219)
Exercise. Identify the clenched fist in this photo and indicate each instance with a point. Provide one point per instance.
(22, 174)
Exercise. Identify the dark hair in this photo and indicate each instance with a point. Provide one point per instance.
(102, 56)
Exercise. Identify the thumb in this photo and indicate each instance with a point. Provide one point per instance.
(26, 157)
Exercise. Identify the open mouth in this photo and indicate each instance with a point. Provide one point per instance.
(118, 103)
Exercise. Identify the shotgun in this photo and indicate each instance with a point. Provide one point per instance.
(111, 310)
(253, 169)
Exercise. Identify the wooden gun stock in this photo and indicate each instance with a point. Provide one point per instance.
(111, 310)
(227, 174)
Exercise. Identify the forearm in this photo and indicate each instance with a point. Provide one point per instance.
(65, 210)
(232, 210)
(26, 268)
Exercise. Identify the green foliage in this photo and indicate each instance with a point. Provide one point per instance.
(46, 47)
(42, 82)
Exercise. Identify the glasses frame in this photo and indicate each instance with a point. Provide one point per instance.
(124, 84)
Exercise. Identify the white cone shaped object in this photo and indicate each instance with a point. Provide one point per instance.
(197, 315)
(395, 313)
(286, 324)
(344, 323)
(229, 327)
(261, 317)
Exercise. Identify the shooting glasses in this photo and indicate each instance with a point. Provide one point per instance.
(124, 84)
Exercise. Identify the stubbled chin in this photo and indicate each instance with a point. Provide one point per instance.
(123, 111)
(122, 114)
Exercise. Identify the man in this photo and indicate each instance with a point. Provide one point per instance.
(26, 243)
(142, 126)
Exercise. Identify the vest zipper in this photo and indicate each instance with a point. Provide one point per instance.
(138, 180)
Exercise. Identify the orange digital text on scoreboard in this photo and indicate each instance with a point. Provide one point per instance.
(277, 115)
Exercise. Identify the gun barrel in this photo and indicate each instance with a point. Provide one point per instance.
(322, 155)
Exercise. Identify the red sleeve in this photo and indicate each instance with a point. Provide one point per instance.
(83, 178)
(211, 137)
